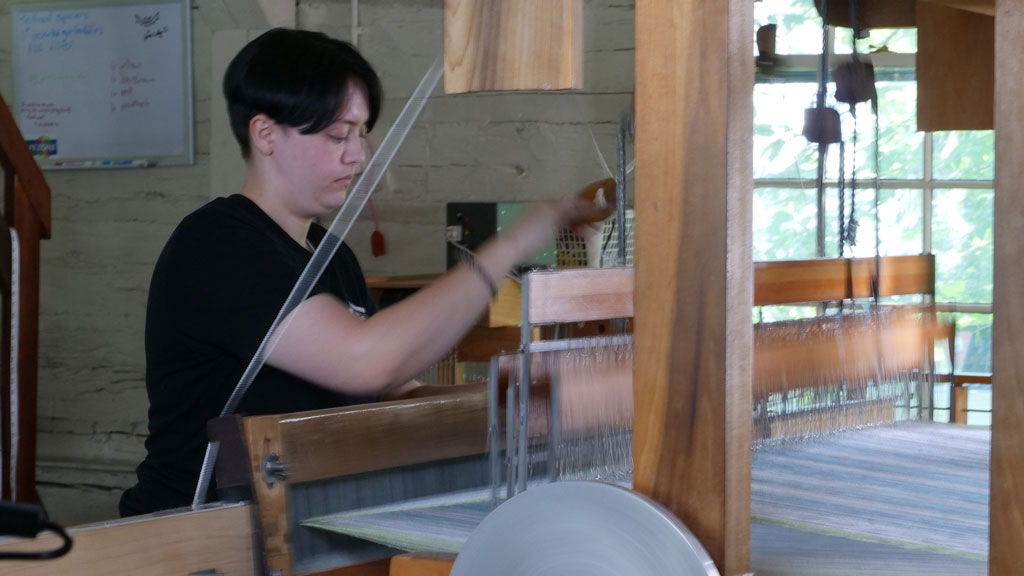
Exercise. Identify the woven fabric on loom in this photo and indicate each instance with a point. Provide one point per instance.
(918, 485)
(436, 524)
(905, 499)
(779, 551)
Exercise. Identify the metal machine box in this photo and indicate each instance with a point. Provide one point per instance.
(470, 224)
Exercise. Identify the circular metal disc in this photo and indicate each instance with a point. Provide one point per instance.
(582, 529)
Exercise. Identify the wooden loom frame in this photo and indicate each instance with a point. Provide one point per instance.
(694, 119)
(319, 445)
(331, 443)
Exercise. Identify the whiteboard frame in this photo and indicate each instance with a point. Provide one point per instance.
(139, 161)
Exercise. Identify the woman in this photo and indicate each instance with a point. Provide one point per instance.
(299, 104)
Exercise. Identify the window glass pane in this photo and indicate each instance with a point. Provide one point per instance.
(972, 347)
(784, 223)
(901, 146)
(941, 402)
(901, 229)
(780, 150)
(979, 405)
(965, 155)
(962, 242)
(898, 40)
(799, 25)
(858, 132)
(783, 312)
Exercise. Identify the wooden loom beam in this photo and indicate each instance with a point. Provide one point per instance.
(218, 541)
(1006, 531)
(693, 342)
(329, 443)
(832, 279)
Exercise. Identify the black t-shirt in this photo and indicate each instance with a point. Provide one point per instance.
(219, 283)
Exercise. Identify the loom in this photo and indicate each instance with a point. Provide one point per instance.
(435, 450)
(580, 295)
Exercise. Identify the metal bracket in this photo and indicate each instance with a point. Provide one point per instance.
(273, 470)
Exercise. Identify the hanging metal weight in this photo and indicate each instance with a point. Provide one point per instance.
(855, 82)
(821, 125)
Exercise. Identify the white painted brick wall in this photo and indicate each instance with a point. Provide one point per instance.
(109, 226)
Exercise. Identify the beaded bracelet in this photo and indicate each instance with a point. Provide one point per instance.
(470, 261)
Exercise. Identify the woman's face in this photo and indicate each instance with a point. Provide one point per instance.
(321, 166)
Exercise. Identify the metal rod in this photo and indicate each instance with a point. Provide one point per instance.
(524, 390)
(622, 134)
(510, 439)
(493, 444)
(581, 343)
(554, 428)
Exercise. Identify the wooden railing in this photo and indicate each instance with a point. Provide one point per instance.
(27, 210)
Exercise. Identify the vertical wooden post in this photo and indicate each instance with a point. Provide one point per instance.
(6, 437)
(27, 208)
(694, 274)
(958, 404)
(262, 437)
(1006, 531)
(29, 228)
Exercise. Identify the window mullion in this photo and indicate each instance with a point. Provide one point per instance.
(926, 197)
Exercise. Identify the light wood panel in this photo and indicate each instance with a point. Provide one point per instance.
(694, 285)
(422, 565)
(512, 45)
(319, 445)
(580, 295)
(220, 539)
(506, 308)
(987, 7)
(1006, 533)
(831, 279)
(955, 69)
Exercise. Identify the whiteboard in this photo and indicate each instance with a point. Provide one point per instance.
(104, 84)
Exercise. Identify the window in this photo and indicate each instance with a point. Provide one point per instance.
(935, 191)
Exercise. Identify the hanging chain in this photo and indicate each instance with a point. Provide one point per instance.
(842, 196)
(822, 147)
(878, 217)
(852, 224)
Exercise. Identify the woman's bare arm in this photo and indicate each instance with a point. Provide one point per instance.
(324, 343)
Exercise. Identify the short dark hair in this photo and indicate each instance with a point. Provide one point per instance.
(298, 78)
